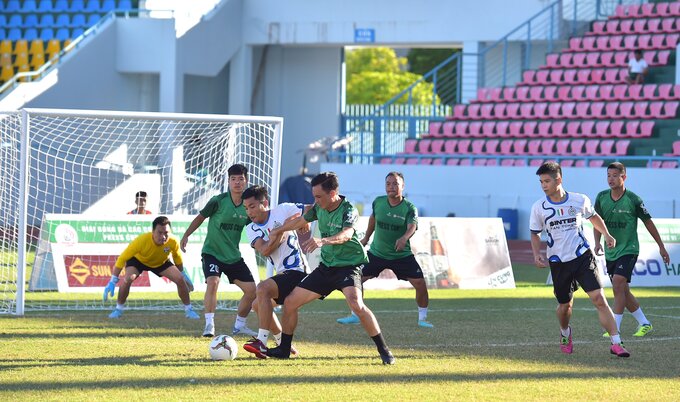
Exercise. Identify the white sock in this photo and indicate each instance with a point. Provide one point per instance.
(240, 322)
(618, 318)
(422, 313)
(262, 335)
(565, 331)
(354, 314)
(120, 307)
(640, 316)
(277, 338)
(616, 339)
(209, 318)
(187, 307)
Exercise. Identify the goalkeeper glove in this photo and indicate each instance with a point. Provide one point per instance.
(190, 284)
(110, 288)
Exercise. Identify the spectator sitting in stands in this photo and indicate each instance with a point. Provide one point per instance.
(637, 68)
(140, 200)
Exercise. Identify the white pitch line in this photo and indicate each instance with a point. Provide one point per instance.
(541, 344)
(664, 316)
(480, 310)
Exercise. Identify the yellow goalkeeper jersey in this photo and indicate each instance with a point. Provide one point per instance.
(149, 253)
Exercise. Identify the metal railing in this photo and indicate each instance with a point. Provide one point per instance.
(501, 63)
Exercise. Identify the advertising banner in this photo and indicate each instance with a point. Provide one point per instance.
(77, 253)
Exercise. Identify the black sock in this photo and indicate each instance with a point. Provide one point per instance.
(286, 341)
(380, 343)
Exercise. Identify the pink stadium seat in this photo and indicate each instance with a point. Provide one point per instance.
(588, 44)
(573, 129)
(570, 77)
(626, 27)
(646, 10)
(577, 147)
(657, 42)
(554, 110)
(632, 128)
(630, 42)
(640, 110)
(521, 94)
(671, 41)
(410, 146)
(561, 147)
(438, 162)
(598, 28)
(528, 77)
(661, 9)
(592, 92)
(591, 147)
(639, 26)
(654, 164)
(539, 110)
(553, 61)
(580, 163)
(425, 161)
(412, 161)
(482, 95)
(619, 92)
(450, 146)
(575, 44)
(612, 27)
(473, 112)
(595, 163)
(477, 147)
(509, 94)
(602, 43)
(529, 128)
(597, 110)
(491, 162)
(491, 147)
(485, 111)
(646, 128)
(556, 76)
(557, 128)
(499, 111)
(622, 147)
(459, 112)
(579, 60)
(543, 129)
(567, 162)
(488, 129)
(475, 129)
(550, 93)
(495, 94)
(568, 109)
(507, 162)
(536, 94)
(625, 110)
(602, 129)
(542, 77)
(447, 128)
(512, 111)
(670, 110)
(654, 25)
(668, 25)
(605, 92)
(534, 147)
(464, 147)
(674, 9)
(635, 92)
(526, 110)
(662, 57)
(582, 110)
(592, 60)
(612, 109)
(607, 60)
(577, 92)
(606, 147)
(519, 147)
(399, 161)
(502, 128)
(616, 42)
(520, 162)
(597, 76)
(655, 110)
(423, 146)
(665, 91)
(535, 162)
(461, 129)
(669, 164)
(437, 146)
(506, 147)
(434, 129)
(386, 161)
(620, 59)
(676, 148)
(453, 161)
(465, 162)
(582, 77)
(616, 129)
(515, 128)
(564, 93)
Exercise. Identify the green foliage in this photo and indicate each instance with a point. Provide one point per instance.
(422, 61)
(376, 75)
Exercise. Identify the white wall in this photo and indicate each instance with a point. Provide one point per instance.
(481, 191)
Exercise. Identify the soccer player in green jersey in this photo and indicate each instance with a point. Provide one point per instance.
(221, 254)
(342, 259)
(620, 208)
(394, 220)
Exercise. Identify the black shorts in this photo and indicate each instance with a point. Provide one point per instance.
(286, 282)
(623, 266)
(324, 280)
(133, 262)
(567, 276)
(633, 76)
(236, 271)
(404, 268)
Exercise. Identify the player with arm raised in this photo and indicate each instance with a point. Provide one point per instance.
(221, 254)
(149, 252)
(620, 209)
(284, 255)
(571, 261)
(394, 220)
(342, 258)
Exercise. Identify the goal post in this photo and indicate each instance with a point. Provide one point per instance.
(69, 177)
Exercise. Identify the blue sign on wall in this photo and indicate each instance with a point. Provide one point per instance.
(364, 35)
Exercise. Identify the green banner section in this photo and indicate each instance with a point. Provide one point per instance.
(118, 231)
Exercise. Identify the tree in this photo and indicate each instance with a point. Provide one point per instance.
(422, 61)
(376, 75)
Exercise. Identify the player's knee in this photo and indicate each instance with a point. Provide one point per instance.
(418, 284)
(598, 300)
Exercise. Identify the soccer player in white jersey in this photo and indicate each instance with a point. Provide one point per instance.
(571, 261)
(283, 253)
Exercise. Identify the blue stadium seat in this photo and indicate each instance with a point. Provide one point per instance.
(14, 34)
(3, 34)
(125, 5)
(31, 34)
(3, 19)
(77, 32)
(46, 21)
(77, 6)
(2, 6)
(78, 21)
(29, 6)
(108, 6)
(47, 34)
(15, 21)
(60, 6)
(63, 21)
(45, 6)
(62, 34)
(93, 6)
(13, 6)
(30, 21)
(92, 20)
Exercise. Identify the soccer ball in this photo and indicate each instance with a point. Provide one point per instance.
(223, 347)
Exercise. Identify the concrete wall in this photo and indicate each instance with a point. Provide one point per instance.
(480, 192)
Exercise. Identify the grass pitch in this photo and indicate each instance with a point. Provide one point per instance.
(486, 345)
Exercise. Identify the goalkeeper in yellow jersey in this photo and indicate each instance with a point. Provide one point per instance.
(150, 252)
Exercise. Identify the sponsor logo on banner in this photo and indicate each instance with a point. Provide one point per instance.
(95, 270)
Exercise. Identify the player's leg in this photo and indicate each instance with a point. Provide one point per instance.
(239, 274)
(296, 299)
(370, 270)
(564, 286)
(175, 275)
(131, 273)
(211, 272)
(408, 269)
(623, 275)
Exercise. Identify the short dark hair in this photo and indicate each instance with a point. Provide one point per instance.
(259, 192)
(162, 221)
(237, 169)
(140, 194)
(637, 51)
(395, 174)
(618, 166)
(327, 180)
(551, 168)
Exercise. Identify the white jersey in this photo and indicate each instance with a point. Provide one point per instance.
(288, 255)
(563, 223)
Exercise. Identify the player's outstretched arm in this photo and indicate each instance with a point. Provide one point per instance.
(195, 224)
(599, 225)
(654, 232)
(598, 241)
(539, 260)
(369, 230)
(295, 224)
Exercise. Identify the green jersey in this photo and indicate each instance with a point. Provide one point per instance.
(224, 228)
(349, 253)
(391, 223)
(621, 217)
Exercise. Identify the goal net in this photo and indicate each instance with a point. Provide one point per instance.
(68, 179)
